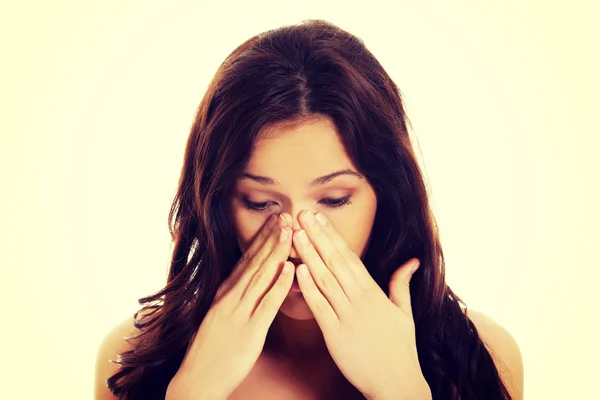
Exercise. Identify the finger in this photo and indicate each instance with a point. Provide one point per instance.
(357, 268)
(263, 279)
(255, 265)
(270, 229)
(325, 281)
(399, 287)
(268, 307)
(318, 304)
(338, 257)
(252, 260)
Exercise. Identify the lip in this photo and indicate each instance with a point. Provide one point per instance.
(295, 287)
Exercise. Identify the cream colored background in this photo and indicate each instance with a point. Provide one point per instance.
(98, 99)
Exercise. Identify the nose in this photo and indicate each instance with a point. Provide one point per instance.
(296, 224)
(294, 215)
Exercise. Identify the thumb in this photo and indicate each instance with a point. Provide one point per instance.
(400, 283)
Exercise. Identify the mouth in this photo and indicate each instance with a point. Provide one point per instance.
(295, 286)
(295, 261)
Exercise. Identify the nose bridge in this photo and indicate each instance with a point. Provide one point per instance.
(296, 217)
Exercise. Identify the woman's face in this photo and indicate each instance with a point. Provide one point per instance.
(279, 179)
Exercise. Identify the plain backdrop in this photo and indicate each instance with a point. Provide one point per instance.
(97, 100)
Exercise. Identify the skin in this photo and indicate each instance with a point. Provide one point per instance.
(292, 155)
(295, 363)
(501, 344)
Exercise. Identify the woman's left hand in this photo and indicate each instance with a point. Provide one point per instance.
(370, 337)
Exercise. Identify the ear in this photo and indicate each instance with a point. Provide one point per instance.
(400, 283)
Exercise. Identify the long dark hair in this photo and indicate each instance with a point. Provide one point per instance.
(300, 71)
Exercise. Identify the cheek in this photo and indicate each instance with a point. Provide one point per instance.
(244, 236)
(354, 228)
(246, 227)
(355, 223)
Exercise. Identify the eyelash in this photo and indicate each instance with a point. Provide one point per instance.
(331, 203)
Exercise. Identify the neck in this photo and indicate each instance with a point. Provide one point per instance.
(298, 346)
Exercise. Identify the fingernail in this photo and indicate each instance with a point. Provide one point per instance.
(302, 238)
(284, 235)
(309, 218)
(288, 267)
(282, 220)
(303, 271)
(321, 219)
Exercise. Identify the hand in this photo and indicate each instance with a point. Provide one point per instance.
(233, 333)
(370, 337)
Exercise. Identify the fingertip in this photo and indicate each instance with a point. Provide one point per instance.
(283, 235)
(287, 218)
(415, 265)
(288, 267)
(302, 270)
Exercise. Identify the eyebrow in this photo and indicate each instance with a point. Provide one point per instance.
(264, 180)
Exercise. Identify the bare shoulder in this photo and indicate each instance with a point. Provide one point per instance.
(504, 350)
(110, 347)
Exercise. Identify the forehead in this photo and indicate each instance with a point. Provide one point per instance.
(308, 148)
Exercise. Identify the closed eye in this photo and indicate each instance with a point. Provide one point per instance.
(264, 207)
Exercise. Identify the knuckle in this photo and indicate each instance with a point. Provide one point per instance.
(360, 296)
(328, 283)
(257, 277)
(251, 335)
(246, 257)
(321, 307)
(337, 257)
(267, 303)
(256, 261)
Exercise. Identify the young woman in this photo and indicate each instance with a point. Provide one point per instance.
(300, 214)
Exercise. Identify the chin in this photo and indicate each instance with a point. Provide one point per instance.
(295, 307)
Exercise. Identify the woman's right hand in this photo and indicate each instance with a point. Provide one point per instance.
(232, 335)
